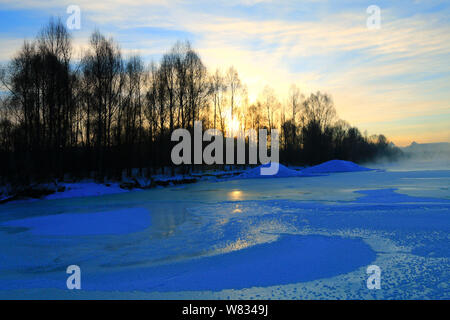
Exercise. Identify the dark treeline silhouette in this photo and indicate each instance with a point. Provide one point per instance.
(103, 114)
(318, 136)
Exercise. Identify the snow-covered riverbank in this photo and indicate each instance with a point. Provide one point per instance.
(89, 188)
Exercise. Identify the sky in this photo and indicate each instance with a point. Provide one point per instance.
(394, 80)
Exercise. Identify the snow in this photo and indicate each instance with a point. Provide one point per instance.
(283, 172)
(176, 177)
(335, 166)
(85, 189)
(290, 238)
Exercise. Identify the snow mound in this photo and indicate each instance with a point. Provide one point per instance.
(283, 172)
(335, 166)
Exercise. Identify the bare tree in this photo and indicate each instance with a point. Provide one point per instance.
(218, 90)
(103, 70)
(234, 84)
(271, 105)
(318, 108)
(295, 100)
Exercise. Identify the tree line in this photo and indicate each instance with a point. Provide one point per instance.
(104, 114)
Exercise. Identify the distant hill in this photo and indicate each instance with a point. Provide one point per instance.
(428, 150)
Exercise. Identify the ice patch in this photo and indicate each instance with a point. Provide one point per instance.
(335, 166)
(98, 223)
(390, 196)
(291, 259)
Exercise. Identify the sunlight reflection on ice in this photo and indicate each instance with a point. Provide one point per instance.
(235, 195)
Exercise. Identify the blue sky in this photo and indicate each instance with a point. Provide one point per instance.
(394, 80)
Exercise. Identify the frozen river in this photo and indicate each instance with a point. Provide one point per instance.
(278, 238)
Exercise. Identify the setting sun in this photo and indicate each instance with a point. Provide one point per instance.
(233, 125)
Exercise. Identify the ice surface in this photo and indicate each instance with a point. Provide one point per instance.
(69, 224)
(335, 166)
(202, 240)
(292, 258)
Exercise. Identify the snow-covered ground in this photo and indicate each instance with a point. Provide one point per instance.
(85, 189)
(283, 172)
(299, 237)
